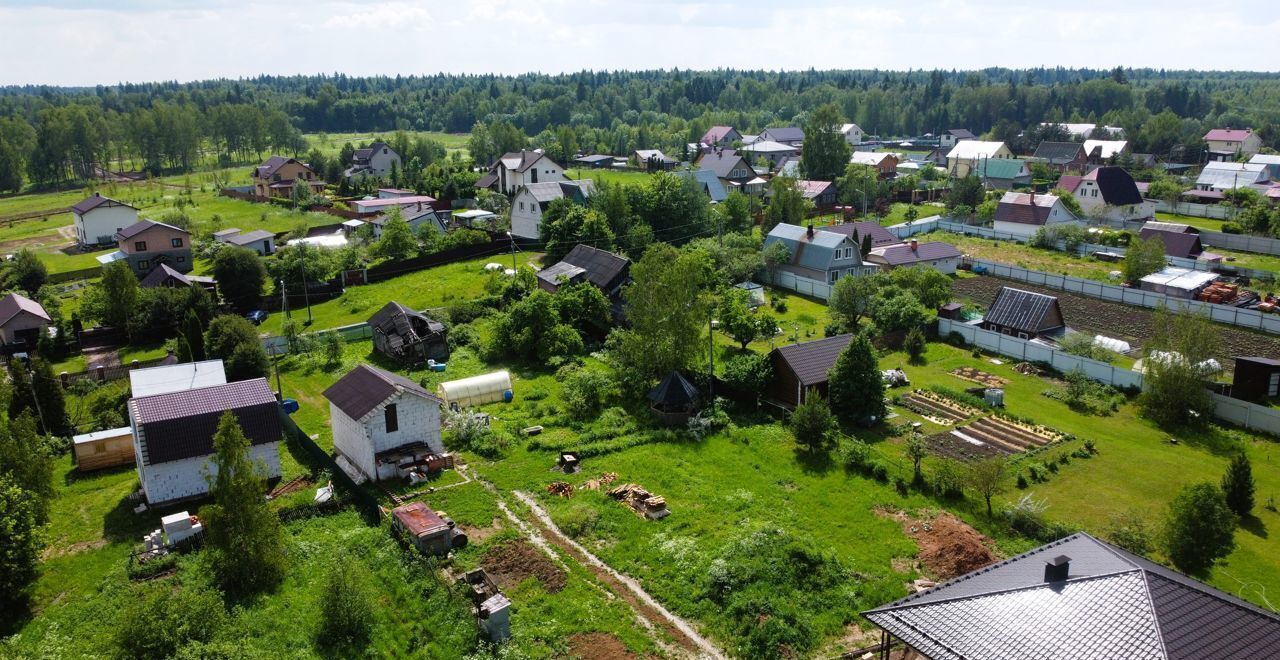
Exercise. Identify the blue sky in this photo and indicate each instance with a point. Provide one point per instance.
(79, 42)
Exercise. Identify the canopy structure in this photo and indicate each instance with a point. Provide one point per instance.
(477, 390)
(674, 399)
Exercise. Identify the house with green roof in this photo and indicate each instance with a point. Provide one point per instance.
(1003, 173)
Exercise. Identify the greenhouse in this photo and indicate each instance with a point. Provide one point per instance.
(477, 390)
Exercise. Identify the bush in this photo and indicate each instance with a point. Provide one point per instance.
(586, 391)
(1232, 228)
(159, 618)
(463, 335)
(1132, 532)
(579, 520)
(346, 608)
(469, 310)
(948, 479)
(956, 339)
(900, 485)
(855, 454)
(1022, 482)
(879, 471)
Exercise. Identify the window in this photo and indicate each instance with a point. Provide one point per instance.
(1273, 388)
(832, 276)
(140, 246)
(177, 242)
(392, 418)
(521, 206)
(144, 265)
(181, 259)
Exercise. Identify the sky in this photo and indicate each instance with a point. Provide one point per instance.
(83, 42)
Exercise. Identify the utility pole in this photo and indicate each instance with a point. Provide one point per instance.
(284, 298)
(306, 291)
(275, 362)
(31, 382)
(512, 241)
(711, 353)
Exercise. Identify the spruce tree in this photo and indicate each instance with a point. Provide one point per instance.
(193, 331)
(243, 533)
(1237, 485)
(856, 385)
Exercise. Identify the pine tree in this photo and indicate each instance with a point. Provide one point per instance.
(1237, 485)
(856, 385)
(244, 535)
(24, 461)
(813, 424)
(183, 350)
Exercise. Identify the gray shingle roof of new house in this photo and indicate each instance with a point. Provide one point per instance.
(783, 134)
(814, 252)
(723, 162)
(549, 191)
(879, 235)
(606, 270)
(1079, 598)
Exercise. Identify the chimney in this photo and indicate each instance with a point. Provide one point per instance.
(810, 230)
(1057, 569)
(914, 245)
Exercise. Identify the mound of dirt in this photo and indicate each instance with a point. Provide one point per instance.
(511, 563)
(598, 646)
(948, 546)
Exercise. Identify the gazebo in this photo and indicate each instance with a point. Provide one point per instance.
(674, 400)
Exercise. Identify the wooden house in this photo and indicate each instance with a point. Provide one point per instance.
(103, 449)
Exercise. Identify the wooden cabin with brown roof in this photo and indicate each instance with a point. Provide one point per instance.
(276, 176)
(797, 368)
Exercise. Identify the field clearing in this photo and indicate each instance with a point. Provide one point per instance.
(633, 177)
(330, 144)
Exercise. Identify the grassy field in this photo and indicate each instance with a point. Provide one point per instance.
(331, 143)
(608, 176)
(1211, 224)
(1018, 254)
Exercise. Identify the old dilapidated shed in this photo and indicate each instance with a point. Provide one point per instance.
(403, 334)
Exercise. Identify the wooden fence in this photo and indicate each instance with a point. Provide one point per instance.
(72, 275)
(390, 269)
(107, 374)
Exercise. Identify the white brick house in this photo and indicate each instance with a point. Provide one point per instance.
(382, 422)
(98, 218)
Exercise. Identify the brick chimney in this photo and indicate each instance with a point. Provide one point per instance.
(810, 232)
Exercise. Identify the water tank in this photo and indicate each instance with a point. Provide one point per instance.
(994, 397)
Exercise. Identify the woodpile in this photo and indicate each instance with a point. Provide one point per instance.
(641, 501)
(560, 488)
(605, 479)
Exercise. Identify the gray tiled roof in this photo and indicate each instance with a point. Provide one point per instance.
(365, 388)
(1019, 309)
(1111, 605)
(812, 360)
(1058, 152)
(879, 235)
(604, 269)
(901, 255)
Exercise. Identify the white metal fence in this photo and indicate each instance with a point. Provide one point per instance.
(801, 285)
(1245, 318)
(1028, 351)
(1216, 211)
(1235, 411)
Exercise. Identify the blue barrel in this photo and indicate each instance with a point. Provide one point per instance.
(290, 406)
(508, 395)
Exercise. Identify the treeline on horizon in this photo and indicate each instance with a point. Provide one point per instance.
(52, 135)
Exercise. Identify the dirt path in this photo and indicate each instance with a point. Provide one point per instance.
(626, 587)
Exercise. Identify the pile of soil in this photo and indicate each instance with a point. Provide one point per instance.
(598, 646)
(511, 563)
(948, 546)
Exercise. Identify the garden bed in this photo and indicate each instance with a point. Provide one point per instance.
(975, 375)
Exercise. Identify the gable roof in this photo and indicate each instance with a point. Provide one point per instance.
(1025, 208)
(603, 268)
(245, 239)
(366, 387)
(16, 303)
(1117, 186)
(1227, 135)
(394, 317)
(1001, 168)
(94, 201)
(814, 189)
(903, 255)
(649, 154)
(1227, 176)
(1058, 152)
(879, 235)
(872, 158)
(1265, 159)
(808, 251)
(546, 192)
(161, 274)
(1113, 604)
(141, 226)
(1069, 182)
(811, 360)
(368, 152)
(723, 162)
(674, 390)
(1176, 244)
(974, 149)
(710, 183)
(769, 147)
(961, 134)
(787, 133)
(1020, 309)
(181, 424)
(716, 134)
(846, 128)
(1105, 148)
(519, 161)
(150, 381)
(270, 165)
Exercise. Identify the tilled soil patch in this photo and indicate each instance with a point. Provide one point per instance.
(1132, 324)
(598, 646)
(513, 562)
(948, 546)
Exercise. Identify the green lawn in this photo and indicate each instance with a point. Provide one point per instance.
(1019, 254)
(608, 176)
(1211, 224)
(331, 143)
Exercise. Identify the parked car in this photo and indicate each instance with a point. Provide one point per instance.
(256, 317)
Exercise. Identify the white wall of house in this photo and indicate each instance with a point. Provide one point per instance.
(380, 161)
(1057, 217)
(853, 135)
(526, 216)
(547, 169)
(360, 440)
(1094, 206)
(20, 321)
(99, 225)
(174, 480)
(1249, 146)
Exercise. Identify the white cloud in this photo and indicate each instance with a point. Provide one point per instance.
(82, 42)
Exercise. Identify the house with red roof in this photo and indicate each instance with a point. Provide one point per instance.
(821, 193)
(276, 176)
(1225, 143)
(21, 319)
(720, 136)
(1023, 214)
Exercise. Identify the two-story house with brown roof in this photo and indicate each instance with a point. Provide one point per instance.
(276, 175)
(146, 244)
(520, 168)
(98, 218)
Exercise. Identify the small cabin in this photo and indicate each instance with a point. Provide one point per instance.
(430, 532)
(103, 449)
(1024, 314)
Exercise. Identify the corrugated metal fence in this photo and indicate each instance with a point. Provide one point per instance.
(1235, 411)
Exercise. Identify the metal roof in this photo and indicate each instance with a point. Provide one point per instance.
(879, 235)
(1228, 134)
(176, 377)
(101, 435)
(812, 360)
(1176, 244)
(419, 519)
(1025, 208)
(1228, 176)
(723, 162)
(1180, 278)
(548, 191)
(16, 303)
(366, 387)
(94, 201)
(903, 254)
(710, 183)
(1021, 310)
(1111, 604)
(974, 149)
(812, 252)
(604, 269)
(178, 425)
(1002, 168)
(1116, 185)
(788, 133)
(1105, 148)
(141, 226)
(1058, 153)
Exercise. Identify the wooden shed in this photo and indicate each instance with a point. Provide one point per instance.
(1256, 379)
(799, 367)
(104, 449)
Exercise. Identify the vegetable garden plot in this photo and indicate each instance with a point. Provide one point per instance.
(980, 377)
(990, 436)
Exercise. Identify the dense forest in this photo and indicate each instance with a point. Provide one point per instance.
(51, 135)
